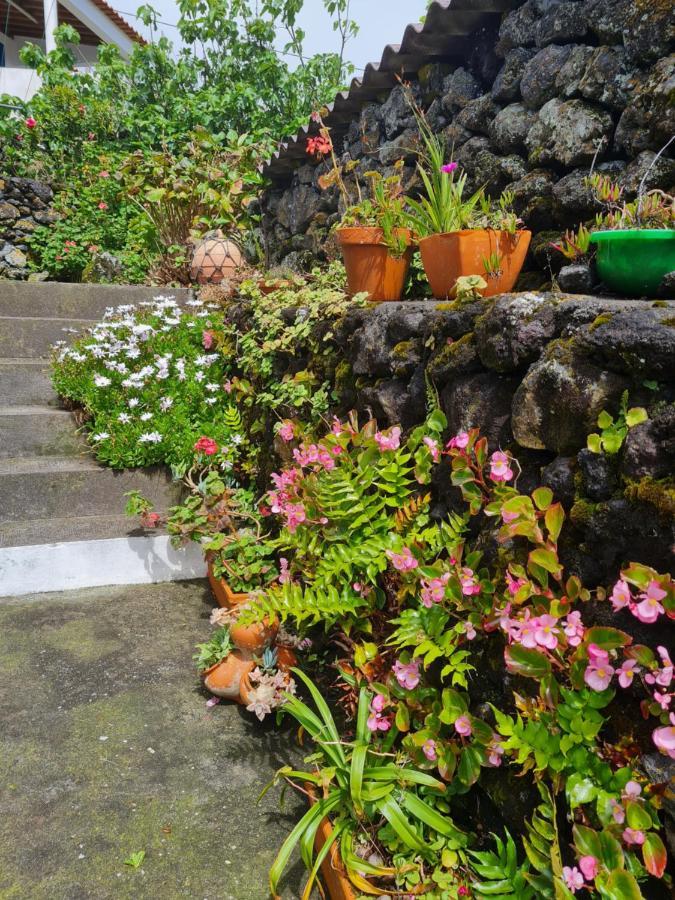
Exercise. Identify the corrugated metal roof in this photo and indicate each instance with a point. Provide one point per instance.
(443, 35)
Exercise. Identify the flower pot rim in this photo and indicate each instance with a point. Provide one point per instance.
(348, 234)
(467, 231)
(632, 234)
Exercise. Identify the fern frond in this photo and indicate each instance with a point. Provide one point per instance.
(502, 878)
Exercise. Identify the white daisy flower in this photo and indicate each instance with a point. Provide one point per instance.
(166, 403)
(101, 381)
(146, 416)
(100, 436)
(133, 402)
(124, 418)
(151, 437)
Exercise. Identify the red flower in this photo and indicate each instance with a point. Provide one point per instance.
(319, 146)
(207, 446)
(93, 248)
(91, 136)
(103, 205)
(30, 122)
(150, 519)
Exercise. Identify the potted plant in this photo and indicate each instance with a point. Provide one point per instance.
(373, 235)
(238, 564)
(635, 241)
(221, 666)
(461, 235)
(267, 686)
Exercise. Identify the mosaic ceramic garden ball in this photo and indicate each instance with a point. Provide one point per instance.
(215, 260)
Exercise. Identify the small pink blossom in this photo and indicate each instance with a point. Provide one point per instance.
(104, 174)
(545, 632)
(433, 589)
(407, 674)
(663, 700)
(648, 610)
(597, 656)
(103, 205)
(30, 122)
(621, 595)
(295, 515)
(495, 751)
(403, 561)
(627, 672)
(429, 750)
(459, 441)
(207, 339)
(618, 812)
(573, 878)
(500, 469)
(632, 790)
(664, 738)
(514, 584)
(287, 432)
(433, 448)
(212, 701)
(598, 677)
(469, 631)
(589, 867)
(449, 168)
(463, 726)
(391, 441)
(284, 574)
(376, 721)
(633, 836)
(574, 629)
(228, 387)
(467, 580)
(207, 446)
(508, 516)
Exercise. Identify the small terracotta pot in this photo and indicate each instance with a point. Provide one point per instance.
(225, 597)
(333, 872)
(370, 266)
(224, 679)
(270, 286)
(254, 638)
(447, 257)
(286, 658)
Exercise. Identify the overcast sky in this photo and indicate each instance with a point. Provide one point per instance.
(380, 22)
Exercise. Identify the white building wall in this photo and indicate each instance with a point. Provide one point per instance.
(19, 81)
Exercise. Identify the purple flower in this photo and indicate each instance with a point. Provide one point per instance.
(449, 168)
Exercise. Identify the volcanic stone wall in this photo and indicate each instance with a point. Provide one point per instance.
(555, 87)
(24, 204)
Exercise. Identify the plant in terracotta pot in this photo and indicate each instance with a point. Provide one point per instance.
(373, 235)
(221, 666)
(268, 686)
(462, 235)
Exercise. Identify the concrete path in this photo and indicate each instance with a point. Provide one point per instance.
(107, 748)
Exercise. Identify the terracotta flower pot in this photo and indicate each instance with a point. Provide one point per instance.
(224, 679)
(333, 873)
(286, 658)
(447, 257)
(254, 638)
(222, 592)
(370, 266)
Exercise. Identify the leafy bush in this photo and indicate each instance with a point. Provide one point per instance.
(150, 387)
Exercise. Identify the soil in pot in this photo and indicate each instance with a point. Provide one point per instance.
(224, 679)
(634, 261)
(497, 256)
(370, 266)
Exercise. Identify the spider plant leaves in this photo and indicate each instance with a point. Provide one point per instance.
(431, 817)
(324, 711)
(399, 822)
(320, 856)
(358, 763)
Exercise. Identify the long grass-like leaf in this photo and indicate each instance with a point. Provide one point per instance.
(399, 822)
(431, 817)
(321, 855)
(358, 763)
(324, 712)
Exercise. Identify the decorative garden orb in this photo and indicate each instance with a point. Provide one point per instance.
(214, 260)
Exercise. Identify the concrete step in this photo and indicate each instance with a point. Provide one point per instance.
(26, 382)
(38, 431)
(51, 299)
(48, 487)
(33, 337)
(84, 528)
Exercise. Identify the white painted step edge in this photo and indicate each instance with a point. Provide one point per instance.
(66, 566)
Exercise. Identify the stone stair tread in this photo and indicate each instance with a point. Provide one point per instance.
(57, 299)
(37, 410)
(38, 465)
(10, 361)
(64, 529)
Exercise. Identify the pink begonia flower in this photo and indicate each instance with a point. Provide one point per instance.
(286, 432)
(284, 574)
(376, 721)
(574, 629)
(463, 726)
(597, 656)
(509, 516)
(469, 631)
(649, 608)
(524, 633)
(403, 561)
(544, 633)
(104, 174)
(433, 589)
(664, 738)
(618, 812)
(429, 750)
(212, 701)
(573, 878)
(496, 751)
(30, 122)
(665, 675)
(103, 205)
(207, 446)
(207, 339)
(514, 584)
(467, 579)
(458, 442)
(621, 595)
(448, 168)
(228, 387)
(663, 700)
(632, 790)
(627, 672)
(598, 677)
(589, 867)
(433, 448)
(336, 427)
(295, 515)
(500, 469)
(633, 836)
(407, 674)
(391, 441)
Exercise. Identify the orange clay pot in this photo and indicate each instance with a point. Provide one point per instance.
(221, 591)
(333, 873)
(224, 679)
(370, 266)
(447, 257)
(253, 639)
(286, 658)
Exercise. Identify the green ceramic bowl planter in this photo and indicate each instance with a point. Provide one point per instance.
(634, 261)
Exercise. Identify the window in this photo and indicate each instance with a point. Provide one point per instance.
(2, 55)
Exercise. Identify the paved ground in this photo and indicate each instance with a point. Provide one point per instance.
(107, 748)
